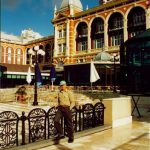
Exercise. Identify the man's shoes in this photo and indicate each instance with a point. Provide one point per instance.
(70, 140)
(58, 137)
(56, 142)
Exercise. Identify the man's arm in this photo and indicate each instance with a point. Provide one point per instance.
(72, 99)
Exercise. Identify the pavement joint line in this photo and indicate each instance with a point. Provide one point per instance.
(50, 142)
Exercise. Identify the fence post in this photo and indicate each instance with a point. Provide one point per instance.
(23, 119)
(80, 118)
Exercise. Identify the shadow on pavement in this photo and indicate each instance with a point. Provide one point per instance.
(62, 147)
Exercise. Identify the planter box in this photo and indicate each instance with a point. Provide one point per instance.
(118, 111)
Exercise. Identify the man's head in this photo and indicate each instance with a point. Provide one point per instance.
(62, 85)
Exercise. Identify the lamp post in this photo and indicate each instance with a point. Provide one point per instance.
(114, 89)
(36, 51)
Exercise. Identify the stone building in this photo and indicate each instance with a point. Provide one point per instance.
(15, 58)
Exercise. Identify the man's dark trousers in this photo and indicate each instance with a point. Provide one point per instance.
(64, 111)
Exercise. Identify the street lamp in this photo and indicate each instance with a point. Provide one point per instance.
(115, 56)
(36, 51)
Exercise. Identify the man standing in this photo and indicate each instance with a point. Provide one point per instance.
(65, 104)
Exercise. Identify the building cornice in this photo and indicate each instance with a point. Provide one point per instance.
(101, 8)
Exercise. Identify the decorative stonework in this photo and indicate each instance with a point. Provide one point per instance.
(105, 14)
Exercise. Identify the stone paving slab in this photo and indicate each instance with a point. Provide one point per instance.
(50, 142)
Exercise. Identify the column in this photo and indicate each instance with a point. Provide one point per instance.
(125, 32)
(148, 18)
(105, 36)
(30, 60)
(24, 57)
(4, 55)
(55, 42)
(89, 39)
(15, 56)
(74, 42)
(67, 38)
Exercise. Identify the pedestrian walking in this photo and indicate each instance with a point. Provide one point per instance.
(65, 103)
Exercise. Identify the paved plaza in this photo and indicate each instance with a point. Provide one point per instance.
(133, 136)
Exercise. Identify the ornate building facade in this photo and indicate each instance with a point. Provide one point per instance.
(81, 35)
(14, 50)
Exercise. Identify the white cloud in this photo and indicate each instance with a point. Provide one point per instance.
(10, 4)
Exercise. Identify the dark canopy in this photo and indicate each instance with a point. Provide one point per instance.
(135, 65)
(139, 41)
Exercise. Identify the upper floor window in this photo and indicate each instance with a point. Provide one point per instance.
(60, 33)
(84, 30)
(115, 21)
(99, 27)
(98, 43)
(139, 18)
(82, 46)
(118, 22)
(136, 17)
(60, 48)
(64, 47)
(64, 33)
(117, 39)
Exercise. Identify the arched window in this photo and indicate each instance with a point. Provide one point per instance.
(136, 21)
(97, 33)
(115, 29)
(81, 39)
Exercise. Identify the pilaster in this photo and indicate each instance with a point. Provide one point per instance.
(24, 57)
(125, 29)
(67, 38)
(4, 55)
(15, 59)
(106, 35)
(148, 18)
(55, 44)
(89, 39)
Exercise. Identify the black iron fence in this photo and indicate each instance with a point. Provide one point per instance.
(39, 124)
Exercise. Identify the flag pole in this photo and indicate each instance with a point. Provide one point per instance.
(52, 76)
(91, 87)
(52, 86)
(94, 76)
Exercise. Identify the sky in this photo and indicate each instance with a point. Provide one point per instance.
(18, 15)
